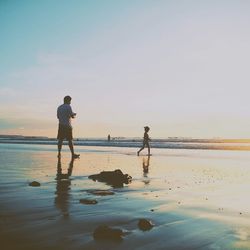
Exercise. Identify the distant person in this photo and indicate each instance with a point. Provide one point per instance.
(108, 137)
(146, 140)
(64, 115)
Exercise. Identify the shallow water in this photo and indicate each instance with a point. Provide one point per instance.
(197, 199)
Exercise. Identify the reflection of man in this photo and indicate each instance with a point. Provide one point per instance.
(63, 187)
(60, 175)
(64, 115)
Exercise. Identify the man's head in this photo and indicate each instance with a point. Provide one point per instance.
(67, 99)
(146, 128)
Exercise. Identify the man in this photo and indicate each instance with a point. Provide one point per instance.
(64, 115)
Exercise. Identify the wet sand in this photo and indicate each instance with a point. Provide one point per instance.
(197, 199)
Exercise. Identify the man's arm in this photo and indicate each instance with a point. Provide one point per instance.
(72, 114)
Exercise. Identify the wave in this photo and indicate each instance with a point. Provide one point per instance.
(137, 143)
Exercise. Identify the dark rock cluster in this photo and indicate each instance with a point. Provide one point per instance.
(114, 178)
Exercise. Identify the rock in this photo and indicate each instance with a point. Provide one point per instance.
(114, 178)
(88, 202)
(145, 224)
(102, 192)
(34, 184)
(104, 232)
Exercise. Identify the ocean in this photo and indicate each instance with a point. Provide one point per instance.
(170, 143)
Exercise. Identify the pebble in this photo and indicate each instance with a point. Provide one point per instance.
(88, 202)
(102, 192)
(145, 224)
(34, 184)
(105, 232)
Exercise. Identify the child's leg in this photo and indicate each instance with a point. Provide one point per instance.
(141, 149)
(148, 148)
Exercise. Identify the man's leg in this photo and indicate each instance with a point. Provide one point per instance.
(59, 145)
(71, 147)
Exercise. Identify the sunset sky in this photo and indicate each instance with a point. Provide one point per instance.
(180, 67)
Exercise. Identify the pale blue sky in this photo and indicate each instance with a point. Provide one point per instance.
(181, 67)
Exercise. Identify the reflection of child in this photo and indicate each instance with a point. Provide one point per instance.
(146, 140)
(145, 165)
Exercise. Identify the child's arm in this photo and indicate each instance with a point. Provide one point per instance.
(146, 137)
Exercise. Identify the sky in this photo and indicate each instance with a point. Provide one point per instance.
(180, 67)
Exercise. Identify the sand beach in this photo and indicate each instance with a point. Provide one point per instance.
(195, 199)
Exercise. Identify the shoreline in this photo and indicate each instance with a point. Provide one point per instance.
(153, 145)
